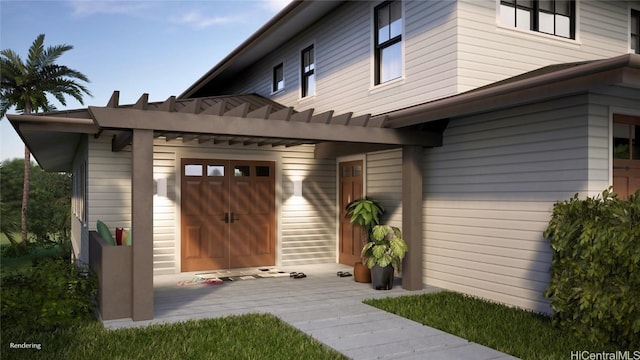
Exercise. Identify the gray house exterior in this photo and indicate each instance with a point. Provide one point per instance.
(467, 122)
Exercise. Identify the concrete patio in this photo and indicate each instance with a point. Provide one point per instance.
(324, 306)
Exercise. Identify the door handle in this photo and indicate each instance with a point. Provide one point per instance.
(226, 218)
(233, 218)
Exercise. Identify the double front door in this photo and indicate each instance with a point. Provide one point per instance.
(227, 214)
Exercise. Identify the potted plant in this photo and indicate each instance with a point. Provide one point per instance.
(383, 254)
(366, 213)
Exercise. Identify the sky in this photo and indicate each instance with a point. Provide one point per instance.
(158, 47)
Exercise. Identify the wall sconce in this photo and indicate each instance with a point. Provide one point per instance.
(297, 188)
(161, 187)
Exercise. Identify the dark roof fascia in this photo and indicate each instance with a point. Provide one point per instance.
(295, 17)
(516, 89)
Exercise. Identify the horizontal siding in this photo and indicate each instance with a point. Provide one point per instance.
(344, 61)
(308, 223)
(489, 191)
(489, 52)
(307, 230)
(449, 47)
(108, 185)
(384, 183)
(165, 227)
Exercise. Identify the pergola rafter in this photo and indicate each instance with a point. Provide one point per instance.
(247, 120)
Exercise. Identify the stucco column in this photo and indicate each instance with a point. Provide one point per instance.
(142, 224)
(412, 216)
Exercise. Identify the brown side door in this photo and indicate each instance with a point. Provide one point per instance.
(626, 155)
(351, 235)
(228, 214)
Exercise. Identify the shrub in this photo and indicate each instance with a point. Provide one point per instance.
(53, 293)
(16, 250)
(595, 284)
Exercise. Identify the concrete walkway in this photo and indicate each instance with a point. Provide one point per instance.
(323, 305)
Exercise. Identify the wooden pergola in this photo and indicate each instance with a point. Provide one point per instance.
(239, 120)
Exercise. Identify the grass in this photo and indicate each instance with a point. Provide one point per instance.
(253, 336)
(521, 333)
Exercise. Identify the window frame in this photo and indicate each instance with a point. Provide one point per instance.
(534, 17)
(634, 12)
(275, 81)
(305, 75)
(379, 47)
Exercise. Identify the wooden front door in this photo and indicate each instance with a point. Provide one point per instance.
(351, 235)
(228, 214)
(626, 155)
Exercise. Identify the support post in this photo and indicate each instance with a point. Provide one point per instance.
(412, 195)
(142, 224)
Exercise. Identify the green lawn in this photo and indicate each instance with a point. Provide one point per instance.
(254, 336)
(513, 331)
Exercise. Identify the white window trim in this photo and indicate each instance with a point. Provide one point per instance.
(536, 35)
(315, 71)
(373, 87)
(636, 7)
(284, 78)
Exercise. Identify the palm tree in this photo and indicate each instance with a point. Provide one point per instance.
(26, 85)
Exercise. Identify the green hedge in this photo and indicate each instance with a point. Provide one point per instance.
(595, 284)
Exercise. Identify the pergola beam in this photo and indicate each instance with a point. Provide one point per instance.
(127, 118)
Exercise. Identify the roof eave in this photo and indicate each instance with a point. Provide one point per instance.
(621, 70)
(267, 35)
(52, 140)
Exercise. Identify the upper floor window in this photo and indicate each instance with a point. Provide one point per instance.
(308, 72)
(555, 17)
(278, 78)
(635, 31)
(388, 41)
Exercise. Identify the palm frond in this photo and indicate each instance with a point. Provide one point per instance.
(26, 85)
(52, 53)
(35, 52)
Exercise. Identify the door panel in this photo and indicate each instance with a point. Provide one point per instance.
(204, 234)
(228, 214)
(351, 235)
(253, 203)
(626, 155)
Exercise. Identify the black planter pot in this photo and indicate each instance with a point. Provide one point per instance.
(382, 277)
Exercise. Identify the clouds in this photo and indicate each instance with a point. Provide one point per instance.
(197, 15)
(85, 8)
(276, 5)
(198, 20)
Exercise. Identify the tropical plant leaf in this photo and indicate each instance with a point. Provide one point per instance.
(379, 232)
(378, 251)
(385, 260)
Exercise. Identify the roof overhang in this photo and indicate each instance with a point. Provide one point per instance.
(53, 138)
(290, 21)
(535, 86)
